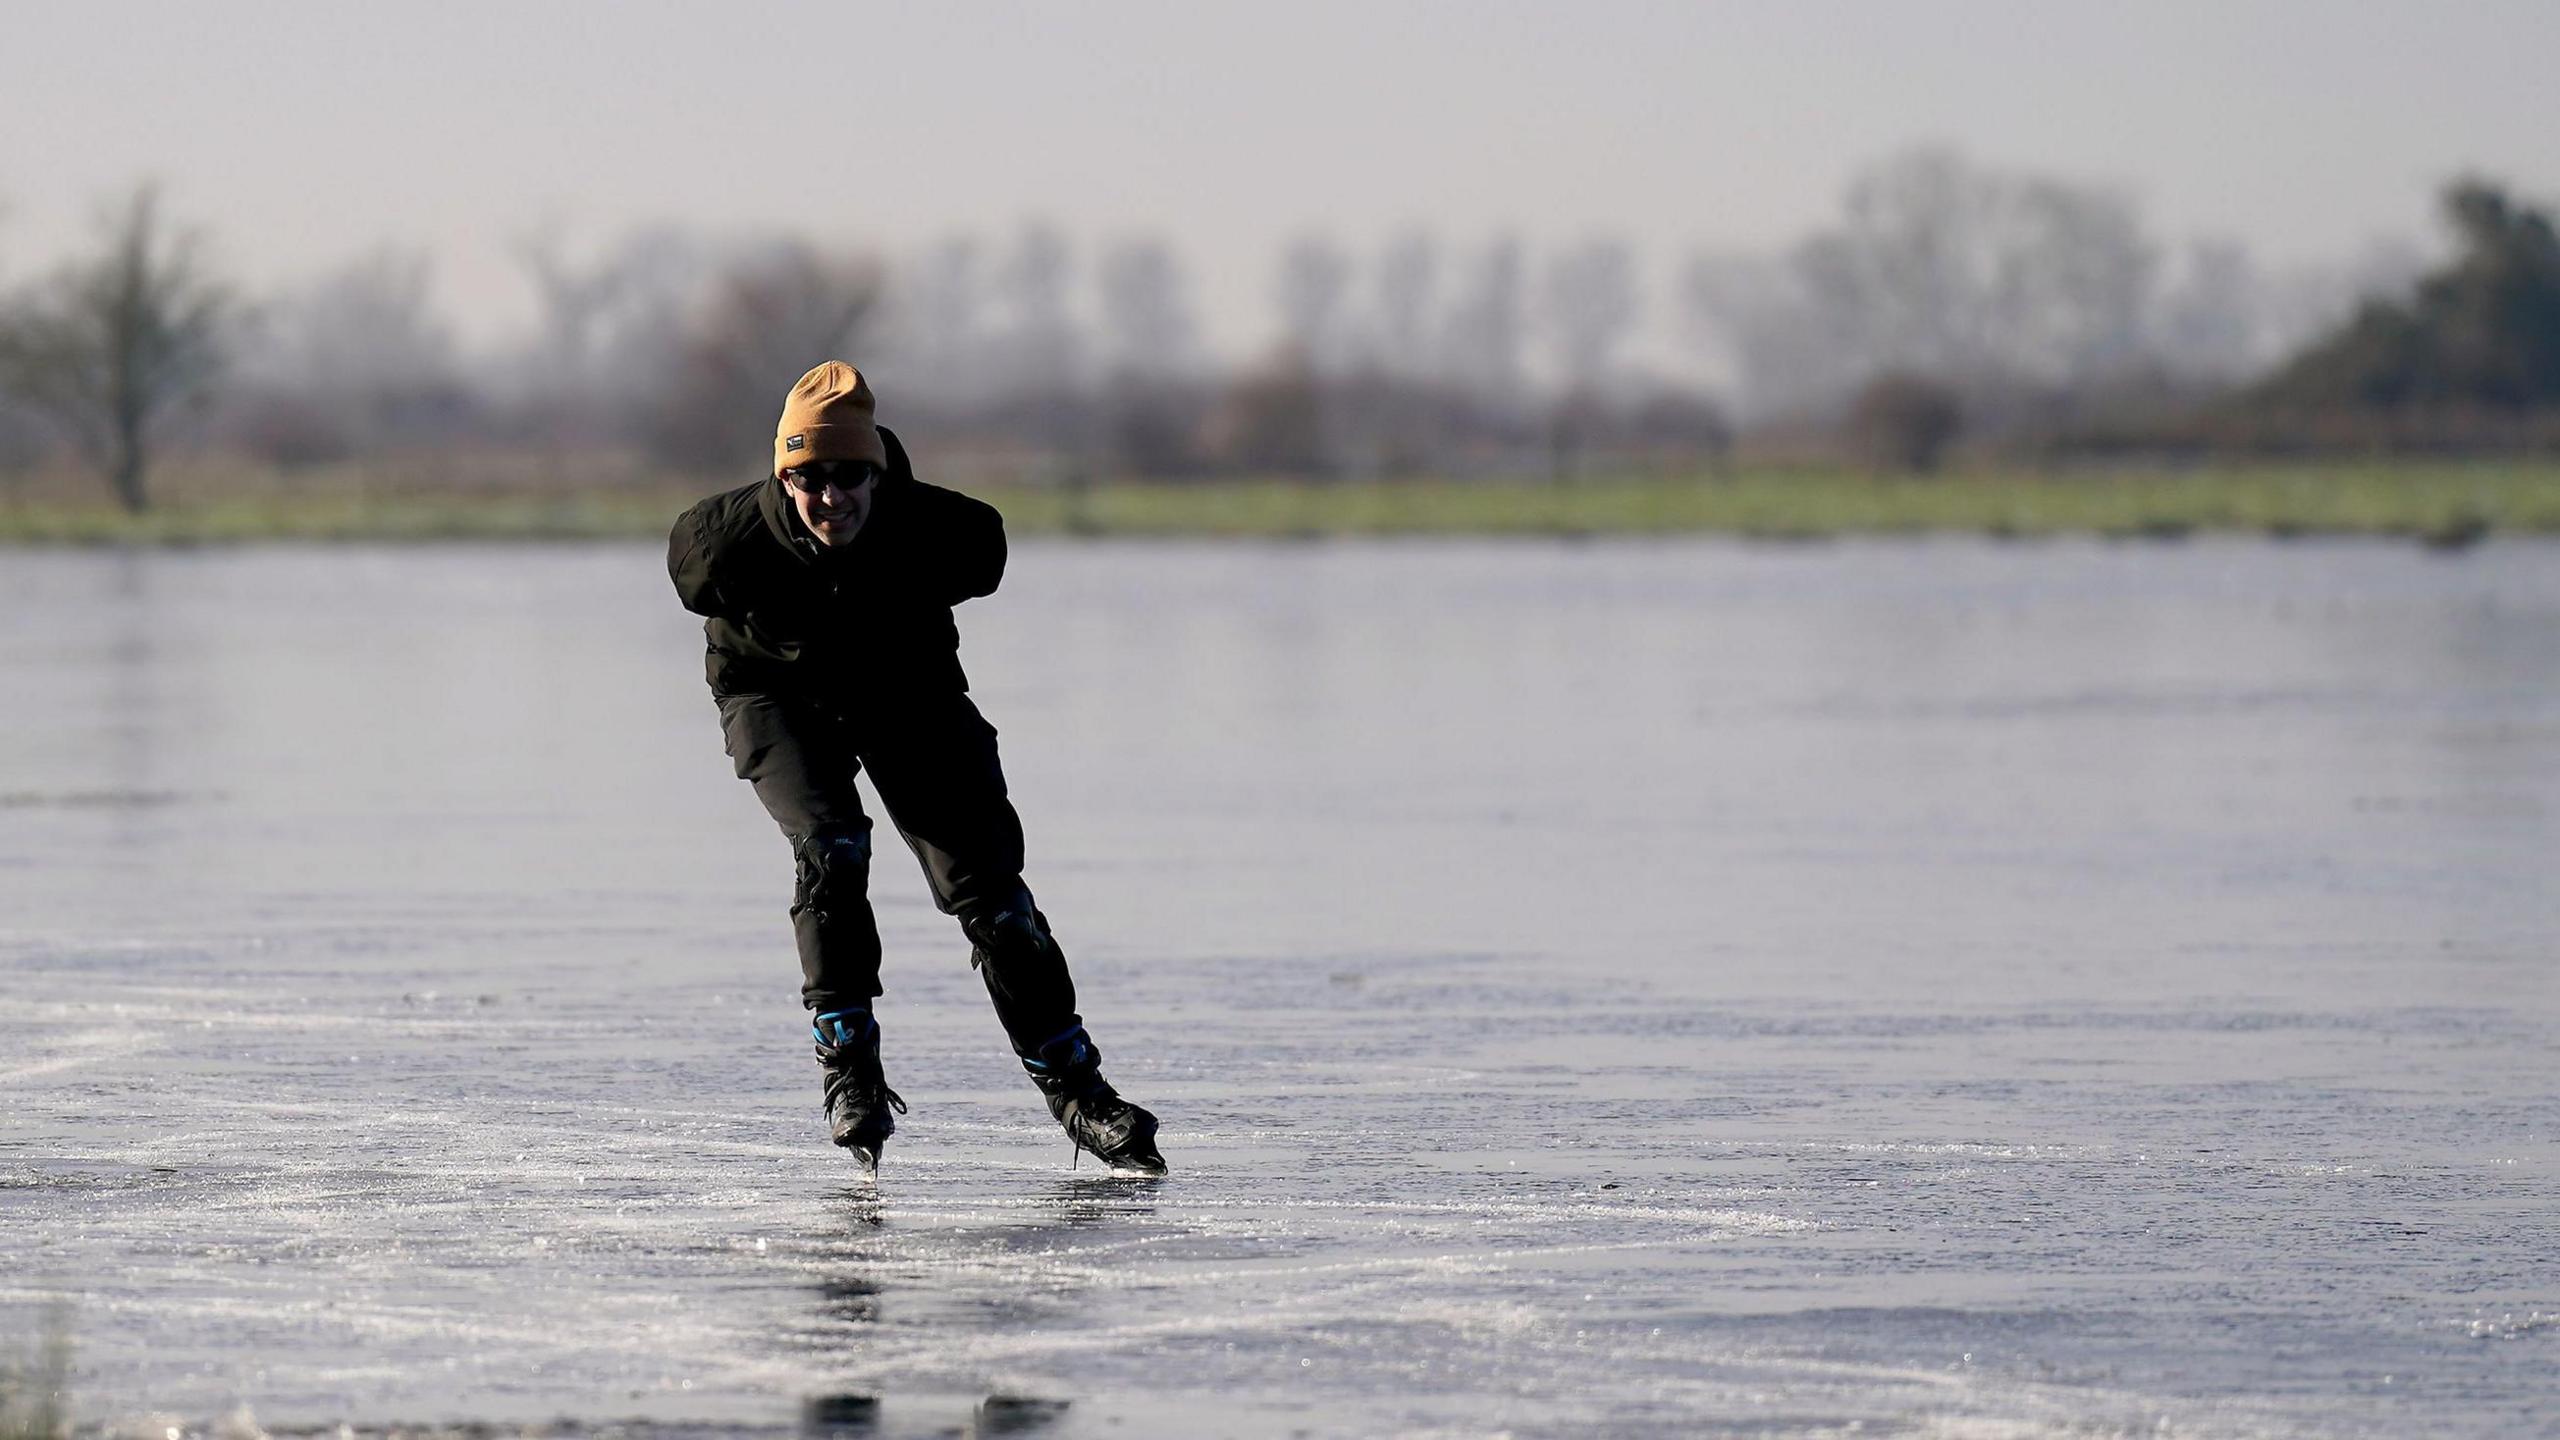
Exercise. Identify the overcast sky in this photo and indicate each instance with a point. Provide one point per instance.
(299, 135)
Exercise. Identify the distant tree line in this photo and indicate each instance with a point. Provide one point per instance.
(1946, 304)
(2468, 359)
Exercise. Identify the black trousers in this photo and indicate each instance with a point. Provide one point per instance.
(934, 763)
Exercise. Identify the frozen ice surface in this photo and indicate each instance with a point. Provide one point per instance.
(1896, 989)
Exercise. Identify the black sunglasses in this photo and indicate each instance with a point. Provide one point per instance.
(814, 477)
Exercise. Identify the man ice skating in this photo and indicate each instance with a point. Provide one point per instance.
(827, 588)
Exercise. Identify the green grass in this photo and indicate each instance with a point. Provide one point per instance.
(2446, 503)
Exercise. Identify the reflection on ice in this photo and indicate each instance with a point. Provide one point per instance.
(1089, 1200)
(867, 1416)
(840, 1415)
(1018, 1415)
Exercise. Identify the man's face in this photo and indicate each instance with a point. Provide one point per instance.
(834, 496)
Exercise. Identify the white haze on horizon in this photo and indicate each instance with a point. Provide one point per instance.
(300, 136)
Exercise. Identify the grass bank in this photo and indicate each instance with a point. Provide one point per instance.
(2447, 503)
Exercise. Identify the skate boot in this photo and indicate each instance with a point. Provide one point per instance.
(858, 1096)
(1068, 1071)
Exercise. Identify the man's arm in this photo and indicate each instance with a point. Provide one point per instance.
(966, 534)
(977, 549)
(689, 565)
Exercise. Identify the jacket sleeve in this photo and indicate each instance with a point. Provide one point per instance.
(967, 534)
(689, 565)
(976, 558)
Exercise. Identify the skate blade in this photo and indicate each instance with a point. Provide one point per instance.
(1147, 1163)
(867, 1157)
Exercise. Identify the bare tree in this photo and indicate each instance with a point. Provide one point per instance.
(113, 346)
(1399, 409)
(1150, 348)
(2212, 321)
(574, 298)
(1302, 384)
(941, 341)
(2078, 277)
(1407, 289)
(1587, 304)
(1991, 282)
(372, 326)
(1907, 278)
(1036, 284)
(1406, 295)
(20, 438)
(1146, 311)
(353, 362)
(1039, 359)
(1748, 318)
(1270, 419)
(768, 319)
(1482, 335)
(625, 309)
(1313, 294)
(1945, 269)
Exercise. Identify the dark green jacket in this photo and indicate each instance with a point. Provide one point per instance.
(868, 620)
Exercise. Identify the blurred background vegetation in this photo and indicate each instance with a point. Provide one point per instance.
(1959, 348)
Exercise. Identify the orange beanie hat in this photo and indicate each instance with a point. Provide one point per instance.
(827, 416)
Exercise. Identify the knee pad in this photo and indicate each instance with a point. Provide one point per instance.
(1009, 935)
(1015, 954)
(1024, 970)
(833, 863)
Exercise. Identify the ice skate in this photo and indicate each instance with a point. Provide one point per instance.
(1120, 1134)
(858, 1097)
